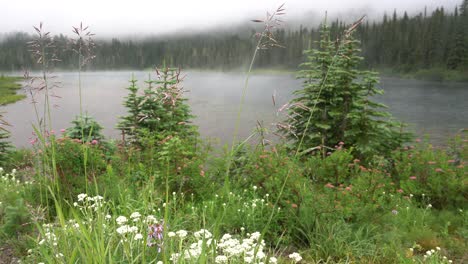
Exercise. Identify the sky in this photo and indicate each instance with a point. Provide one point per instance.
(142, 17)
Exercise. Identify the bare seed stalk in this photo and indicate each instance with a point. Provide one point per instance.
(265, 40)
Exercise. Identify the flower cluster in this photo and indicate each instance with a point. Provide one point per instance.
(228, 249)
(86, 202)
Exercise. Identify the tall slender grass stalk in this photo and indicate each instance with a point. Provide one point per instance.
(42, 49)
(265, 40)
(83, 47)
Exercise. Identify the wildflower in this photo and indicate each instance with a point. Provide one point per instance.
(135, 216)
(203, 233)
(123, 229)
(108, 217)
(171, 234)
(255, 187)
(439, 170)
(138, 236)
(159, 262)
(273, 260)
(412, 177)
(121, 220)
(329, 185)
(395, 212)
(221, 259)
(400, 190)
(429, 206)
(155, 233)
(94, 142)
(295, 257)
(181, 233)
(438, 248)
(81, 197)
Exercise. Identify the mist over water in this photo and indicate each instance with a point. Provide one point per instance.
(438, 109)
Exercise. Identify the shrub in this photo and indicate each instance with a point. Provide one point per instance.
(433, 176)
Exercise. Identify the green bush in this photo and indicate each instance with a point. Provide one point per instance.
(70, 162)
(432, 176)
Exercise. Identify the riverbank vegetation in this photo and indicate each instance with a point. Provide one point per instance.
(8, 89)
(345, 185)
(427, 45)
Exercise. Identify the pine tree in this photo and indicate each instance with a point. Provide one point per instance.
(161, 111)
(336, 97)
(128, 124)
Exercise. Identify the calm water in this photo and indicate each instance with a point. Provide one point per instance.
(437, 109)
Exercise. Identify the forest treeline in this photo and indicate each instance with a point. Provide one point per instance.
(428, 40)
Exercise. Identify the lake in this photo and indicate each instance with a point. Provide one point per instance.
(433, 108)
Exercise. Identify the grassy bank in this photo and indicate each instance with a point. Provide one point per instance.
(8, 89)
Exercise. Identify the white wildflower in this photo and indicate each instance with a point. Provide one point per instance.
(138, 236)
(203, 233)
(135, 216)
(295, 257)
(273, 260)
(181, 233)
(121, 220)
(221, 259)
(171, 234)
(82, 196)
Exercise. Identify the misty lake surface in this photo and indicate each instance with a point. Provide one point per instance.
(434, 108)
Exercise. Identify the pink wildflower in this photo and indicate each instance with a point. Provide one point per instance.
(94, 142)
(62, 130)
(431, 162)
(412, 177)
(329, 185)
(400, 190)
(439, 170)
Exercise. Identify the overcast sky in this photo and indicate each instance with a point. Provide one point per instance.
(133, 17)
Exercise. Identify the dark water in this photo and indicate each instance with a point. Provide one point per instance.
(434, 108)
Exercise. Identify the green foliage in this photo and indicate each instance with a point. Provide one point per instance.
(434, 176)
(15, 219)
(5, 148)
(70, 165)
(85, 129)
(336, 100)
